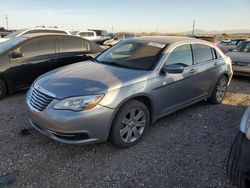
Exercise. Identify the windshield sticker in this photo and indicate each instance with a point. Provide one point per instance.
(158, 45)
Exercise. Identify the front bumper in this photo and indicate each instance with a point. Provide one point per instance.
(70, 127)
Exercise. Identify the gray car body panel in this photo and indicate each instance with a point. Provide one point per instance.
(165, 91)
(245, 122)
(241, 62)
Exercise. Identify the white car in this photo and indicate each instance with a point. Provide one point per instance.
(33, 31)
(89, 35)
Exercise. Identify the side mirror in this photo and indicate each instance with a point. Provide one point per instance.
(16, 54)
(115, 38)
(173, 69)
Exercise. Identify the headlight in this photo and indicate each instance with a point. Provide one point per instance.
(78, 103)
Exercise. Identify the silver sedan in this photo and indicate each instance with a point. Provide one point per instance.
(120, 93)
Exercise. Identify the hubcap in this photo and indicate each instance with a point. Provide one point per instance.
(221, 90)
(133, 125)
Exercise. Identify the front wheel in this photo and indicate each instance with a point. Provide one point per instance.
(220, 91)
(130, 124)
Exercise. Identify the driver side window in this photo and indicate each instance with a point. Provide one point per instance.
(181, 55)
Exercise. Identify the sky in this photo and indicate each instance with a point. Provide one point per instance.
(127, 15)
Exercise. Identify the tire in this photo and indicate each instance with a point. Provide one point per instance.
(3, 89)
(219, 91)
(130, 124)
(237, 177)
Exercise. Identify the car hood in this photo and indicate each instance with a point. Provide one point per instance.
(87, 78)
(3, 39)
(239, 57)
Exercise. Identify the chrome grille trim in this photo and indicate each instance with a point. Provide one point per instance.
(39, 100)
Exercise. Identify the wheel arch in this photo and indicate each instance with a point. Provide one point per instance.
(142, 97)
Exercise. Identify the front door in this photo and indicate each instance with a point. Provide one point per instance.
(39, 55)
(177, 90)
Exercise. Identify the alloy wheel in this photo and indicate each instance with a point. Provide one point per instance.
(221, 90)
(133, 125)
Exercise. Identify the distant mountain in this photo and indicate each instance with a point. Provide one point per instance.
(233, 31)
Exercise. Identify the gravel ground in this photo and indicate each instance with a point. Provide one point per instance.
(186, 149)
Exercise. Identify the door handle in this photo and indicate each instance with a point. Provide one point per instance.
(193, 71)
(216, 63)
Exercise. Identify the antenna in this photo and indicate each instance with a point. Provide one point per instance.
(7, 22)
(193, 32)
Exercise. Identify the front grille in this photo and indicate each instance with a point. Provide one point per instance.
(38, 100)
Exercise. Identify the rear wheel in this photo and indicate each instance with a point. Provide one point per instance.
(3, 89)
(219, 91)
(130, 124)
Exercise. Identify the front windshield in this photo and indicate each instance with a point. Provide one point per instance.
(10, 43)
(14, 34)
(141, 55)
(244, 47)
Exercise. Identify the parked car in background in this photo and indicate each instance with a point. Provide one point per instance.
(226, 47)
(238, 164)
(33, 31)
(118, 94)
(24, 58)
(104, 38)
(90, 35)
(118, 37)
(240, 57)
(206, 38)
(224, 41)
(99, 32)
(3, 32)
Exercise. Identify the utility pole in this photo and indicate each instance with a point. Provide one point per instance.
(193, 32)
(112, 29)
(7, 22)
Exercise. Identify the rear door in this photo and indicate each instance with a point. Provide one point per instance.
(39, 55)
(73, 50)
(207, 63)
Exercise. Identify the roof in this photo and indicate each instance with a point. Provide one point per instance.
(164, 39)
(44, 34)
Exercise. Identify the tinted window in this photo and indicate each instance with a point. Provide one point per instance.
(38, 46)
(83, 34)
(245, 47)
(10, 43)
(181, 55)
(133, 54)
(73, 44)
(90, 34)
(202, 53)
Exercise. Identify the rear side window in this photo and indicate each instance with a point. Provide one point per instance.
(38, 46)
(181, 55)
(90, 34)
(202, 53)
(72, 44)
(83, 34)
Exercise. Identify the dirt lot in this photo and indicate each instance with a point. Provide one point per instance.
(186, 149)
